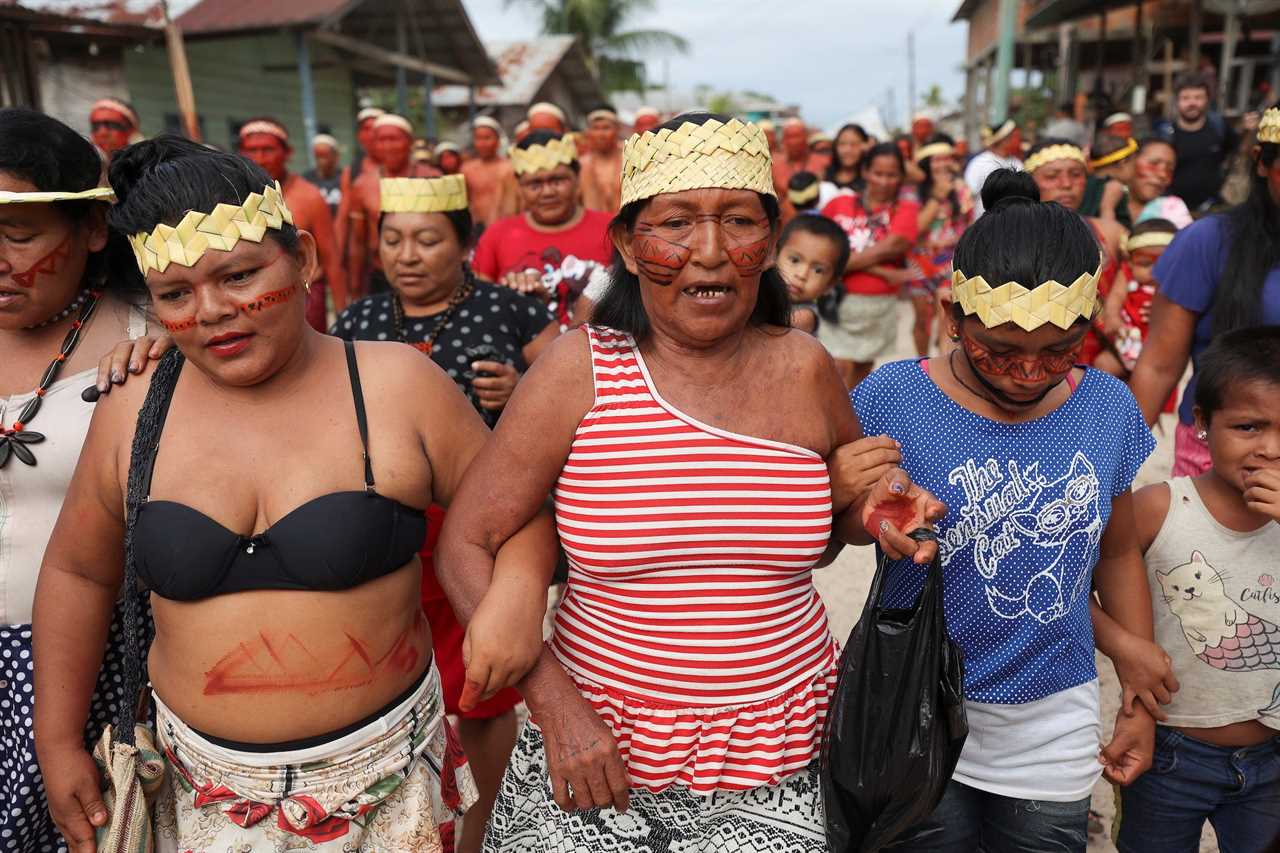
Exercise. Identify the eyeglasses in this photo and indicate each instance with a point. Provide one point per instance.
(108, 125)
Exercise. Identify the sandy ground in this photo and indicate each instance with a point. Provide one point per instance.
(844, 586)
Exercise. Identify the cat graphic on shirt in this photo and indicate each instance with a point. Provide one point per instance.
(1063, 512)
(1217, 627)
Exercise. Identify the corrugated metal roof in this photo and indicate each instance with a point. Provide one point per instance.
(124, 12)
(524, 67)
(439, 30)
(210, 16)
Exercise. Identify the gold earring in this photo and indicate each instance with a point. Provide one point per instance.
(306, 285)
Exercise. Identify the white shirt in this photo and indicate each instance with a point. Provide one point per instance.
(980, 168)
(1042, 750)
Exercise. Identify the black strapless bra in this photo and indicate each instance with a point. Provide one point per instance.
(333, 542)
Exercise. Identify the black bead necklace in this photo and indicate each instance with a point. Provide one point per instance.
(459, 296)
(15, 440)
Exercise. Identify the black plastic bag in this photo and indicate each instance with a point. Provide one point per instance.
(896, 724)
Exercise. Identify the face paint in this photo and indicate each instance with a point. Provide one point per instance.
(749, 259)
(50, 264)
(270, 300)
(284, 664)
(1041, 368)
(659, 258)
(180, 325)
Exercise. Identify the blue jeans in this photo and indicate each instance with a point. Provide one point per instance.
(1190, 781)
(968, 819)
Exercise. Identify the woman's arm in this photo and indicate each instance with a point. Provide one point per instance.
(890, 248)
(1144, 669)
(78, 583)
(545, 338)
(928, 213)
(1164, 355)
(1120, 579)
(508, 483)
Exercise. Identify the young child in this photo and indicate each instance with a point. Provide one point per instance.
(1145, 245)
(812, 252)
(1211, 544)
(803, 190)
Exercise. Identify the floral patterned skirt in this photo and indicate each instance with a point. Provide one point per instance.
(399, 783)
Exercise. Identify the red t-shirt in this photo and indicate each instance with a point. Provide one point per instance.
(867, 227)
(512, 245)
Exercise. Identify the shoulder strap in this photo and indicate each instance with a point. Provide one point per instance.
(155, 410)
(142, 458)
(362, 420)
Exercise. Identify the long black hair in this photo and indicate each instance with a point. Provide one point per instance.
(621, 307)
(1252, 238)
(926, 186)
(52, 157)
(834, 166)
(1021, 239)
(159, 180)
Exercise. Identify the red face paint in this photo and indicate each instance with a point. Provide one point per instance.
(270, 300)
(180, 325)
(50, 264)
(659, 258)
(750, 258)
(1040, 368)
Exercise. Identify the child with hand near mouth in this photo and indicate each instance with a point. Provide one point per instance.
(1209, 543)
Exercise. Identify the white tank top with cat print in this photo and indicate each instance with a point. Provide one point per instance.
(1215, 596)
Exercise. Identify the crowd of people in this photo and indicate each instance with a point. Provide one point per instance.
(314, 566)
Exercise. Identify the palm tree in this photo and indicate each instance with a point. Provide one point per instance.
(599, 26)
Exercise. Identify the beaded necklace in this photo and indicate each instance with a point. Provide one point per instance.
(15, 440)
(460, 295)
(71, 308)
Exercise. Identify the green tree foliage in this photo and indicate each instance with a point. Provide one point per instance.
(601, 28)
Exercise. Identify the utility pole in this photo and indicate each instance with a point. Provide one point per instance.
(1004, 61)
(911, 75)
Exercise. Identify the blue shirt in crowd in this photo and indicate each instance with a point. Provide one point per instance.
(1188, 273)
(1027, 506)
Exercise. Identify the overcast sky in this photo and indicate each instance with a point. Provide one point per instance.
(833, 57)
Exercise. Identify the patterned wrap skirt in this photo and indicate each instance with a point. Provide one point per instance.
(401, 782)
(25, 824)
(786, 817)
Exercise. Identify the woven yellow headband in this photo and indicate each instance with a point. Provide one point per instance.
(1269, 127)
(542, 158)
(729, 155)
(997, 134)
(221, 229)
(423, 195)
(1150, 240)
(1130, 148)
(1051, 302)
(1051, 153)
(934, 150)
(95, 194)
(805, 195)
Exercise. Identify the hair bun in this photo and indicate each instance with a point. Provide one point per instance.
(1005, 187)
(135, 162)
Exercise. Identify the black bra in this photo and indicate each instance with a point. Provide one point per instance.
(333, 542)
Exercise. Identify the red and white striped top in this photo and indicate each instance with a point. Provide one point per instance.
(690, 620)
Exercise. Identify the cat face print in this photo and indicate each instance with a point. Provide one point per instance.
(1063, 507)
(1191, 582)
